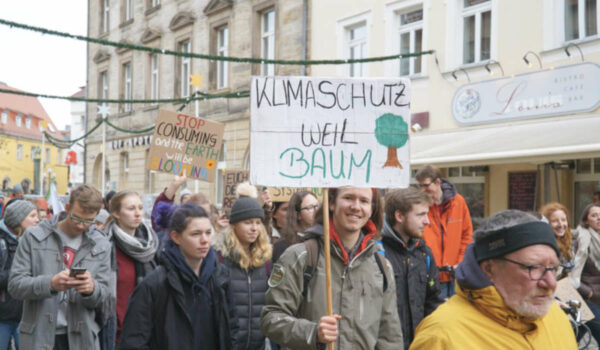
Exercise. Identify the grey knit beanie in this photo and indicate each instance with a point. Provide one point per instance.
(245, 208)
(16, 212)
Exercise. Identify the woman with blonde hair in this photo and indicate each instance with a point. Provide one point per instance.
(244, 248)
(558, 218)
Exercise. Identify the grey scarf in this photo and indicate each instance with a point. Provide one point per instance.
(141, 247)
(589, 247)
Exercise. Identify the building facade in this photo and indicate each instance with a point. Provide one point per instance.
(76, 153)
(22, 120)
(246, 28)
(539, 145)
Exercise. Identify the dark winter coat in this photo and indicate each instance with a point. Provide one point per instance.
(417, 281)
(247, 297)
(10, 309)
(159, 316)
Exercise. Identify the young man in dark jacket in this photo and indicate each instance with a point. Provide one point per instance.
(415, 272)
(183, 303)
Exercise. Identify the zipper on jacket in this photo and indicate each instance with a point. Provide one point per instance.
(249, 272)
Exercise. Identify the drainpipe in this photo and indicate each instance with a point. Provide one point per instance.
(304, 33)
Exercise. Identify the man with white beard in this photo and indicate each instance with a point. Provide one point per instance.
(505, 289)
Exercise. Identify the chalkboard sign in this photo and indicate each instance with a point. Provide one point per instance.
(521, 190)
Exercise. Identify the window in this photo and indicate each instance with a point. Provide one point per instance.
(267, 41)
(581, 19)
(155, 3)
(184, 69)
(222, 66)
(127, 10)
(41, 125)
(124, 169)
(19, 152)
(28, 122)
(127, 86)
(154, 76)
(104, 18)
(356, 37)
(587, 181)
(48, 155)
(103, 85)
(470, 183)
(476, 30)
(32, 154)
(411, 40)
(19, 120)
(4, 117)
(59, 159)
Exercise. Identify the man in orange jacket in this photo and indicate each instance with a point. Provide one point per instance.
(450, 229)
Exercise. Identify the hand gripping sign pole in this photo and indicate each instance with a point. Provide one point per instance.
(327, 256)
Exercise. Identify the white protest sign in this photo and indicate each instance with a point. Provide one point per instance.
(329, 132)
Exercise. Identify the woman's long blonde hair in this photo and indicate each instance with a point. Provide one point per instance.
(260, 251)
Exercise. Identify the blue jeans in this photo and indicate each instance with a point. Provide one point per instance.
(8, 329)
(447, 289)
(594, 324)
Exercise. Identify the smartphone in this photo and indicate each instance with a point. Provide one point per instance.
(76, 271)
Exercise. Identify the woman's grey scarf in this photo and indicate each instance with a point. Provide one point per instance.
(141, 247)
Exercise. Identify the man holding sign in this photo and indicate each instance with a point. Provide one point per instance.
(362, 282)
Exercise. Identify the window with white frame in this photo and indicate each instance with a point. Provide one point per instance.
(184, 69)
(586, 183)
(104, 16)
(267, 41)
(581, 19)
(4, 117)
(476, 23)
(155, 3)
(103, 84)
(411, 40)
(48, 155)
(59, 159)
(222, 50)
(28, 122)
(19, 152)
(470, 183)
(19, 120)
(154, 77)
(356, 45)
(40, 125)
(128, 10)
(127, 86)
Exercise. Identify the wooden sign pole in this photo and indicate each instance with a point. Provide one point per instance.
(327, 256)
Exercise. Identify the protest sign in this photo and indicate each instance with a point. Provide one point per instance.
(320, 132)
(184, 144)
(284, 194)
(231, 179)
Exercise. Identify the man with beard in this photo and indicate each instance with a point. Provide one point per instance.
(504, 292)
(417, 282)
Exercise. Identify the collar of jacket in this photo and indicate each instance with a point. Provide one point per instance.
(9, 233)
(388, 234)
(369, 230)
(48, 226)
(473, 285)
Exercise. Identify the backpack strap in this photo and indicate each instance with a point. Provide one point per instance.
(383, 269)
(313, 250)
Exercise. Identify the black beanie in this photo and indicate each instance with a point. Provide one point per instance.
(245, 208)
(510, 239)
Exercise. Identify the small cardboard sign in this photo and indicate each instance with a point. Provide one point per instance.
(284, 194)
(184, 144)
(231, 179)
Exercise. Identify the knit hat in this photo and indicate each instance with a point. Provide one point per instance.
(17, 189)
(16, 212)
(245, 208)
(102, 216)
(183, 193)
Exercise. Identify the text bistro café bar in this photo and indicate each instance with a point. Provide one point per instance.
(523, 141)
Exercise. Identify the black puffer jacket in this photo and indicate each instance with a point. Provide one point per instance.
(417, 282)
(10, 309)
(160, 315)
(247, 297)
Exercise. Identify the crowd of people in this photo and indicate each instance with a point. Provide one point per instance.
(407, 271)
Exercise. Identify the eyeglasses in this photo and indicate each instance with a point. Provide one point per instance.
(536, 272)
(425, 185)
(78, 220)
(310, 207)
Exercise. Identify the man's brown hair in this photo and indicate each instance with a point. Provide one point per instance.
(428, 171)
(403, 200)
(88, 197)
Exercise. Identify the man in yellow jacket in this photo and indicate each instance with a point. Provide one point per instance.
(505, 290)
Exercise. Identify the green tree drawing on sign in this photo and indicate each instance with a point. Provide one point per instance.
(391, 131)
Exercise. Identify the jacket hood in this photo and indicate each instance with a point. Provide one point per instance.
(448, 190)
(389, 234)
(476, 287)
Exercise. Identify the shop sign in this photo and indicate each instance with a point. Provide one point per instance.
(563, 90)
